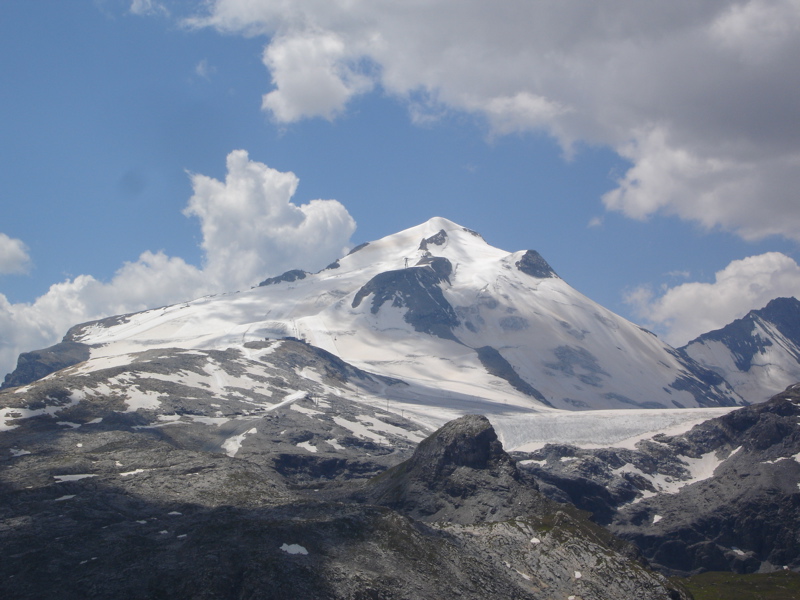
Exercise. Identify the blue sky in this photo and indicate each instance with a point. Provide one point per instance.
(652, 157)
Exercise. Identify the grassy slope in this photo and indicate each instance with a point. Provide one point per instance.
(782, 585)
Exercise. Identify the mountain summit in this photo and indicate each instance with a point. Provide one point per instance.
(759, 354)
(462, 324)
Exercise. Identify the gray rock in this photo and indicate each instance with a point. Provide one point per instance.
(534, 265)
(40, 363)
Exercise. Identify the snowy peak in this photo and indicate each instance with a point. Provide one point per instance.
(758, 354)
(459, 321)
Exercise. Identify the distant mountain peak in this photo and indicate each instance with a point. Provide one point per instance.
(758, 354)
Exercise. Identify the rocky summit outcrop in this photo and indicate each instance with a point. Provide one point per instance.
(40, 363)
(459, 474)
(723, 496)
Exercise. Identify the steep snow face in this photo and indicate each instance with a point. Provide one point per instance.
(455, 318)
(759, 355)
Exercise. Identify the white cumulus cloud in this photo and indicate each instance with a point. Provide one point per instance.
(311, 75)
(148, 8)
(250, 228)
(685, 311)
(13, 255)
(701, 97)
(152, 280)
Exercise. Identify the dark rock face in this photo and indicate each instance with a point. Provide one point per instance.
(744, 517)
(357, 248)
(498, 366)
(438, 239)
(417, 289)
(459, 474)
(708, 387)
(534, 265)
(287, 277)
(440, 265)
(470, 442)
(32, 366)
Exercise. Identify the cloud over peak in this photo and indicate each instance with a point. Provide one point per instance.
(684, 311)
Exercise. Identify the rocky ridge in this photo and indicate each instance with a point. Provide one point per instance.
(759, 354)
(723, 496)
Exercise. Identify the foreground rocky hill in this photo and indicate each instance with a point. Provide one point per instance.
(99, 501)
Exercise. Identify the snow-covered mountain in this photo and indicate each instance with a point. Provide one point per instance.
(292, 425)
(458, 321)
(759, 354)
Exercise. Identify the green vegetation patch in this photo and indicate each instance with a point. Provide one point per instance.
(781, 585)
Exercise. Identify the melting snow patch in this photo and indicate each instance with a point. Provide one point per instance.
(335, 444)
(144, 399)
(360, 430)
(293, 397)
(657, 518)
(578, 575)
(379, 425)
(307, 446)
(134, 472)
(67, 497)
(699, 469)
(536, 541)
(294, 549)
(234, 443)
(17, 452)
(738, 552)
(8, 415)
(63, 478)
(68, 424)
(208, 420)
(174, 513)
(306, 411)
